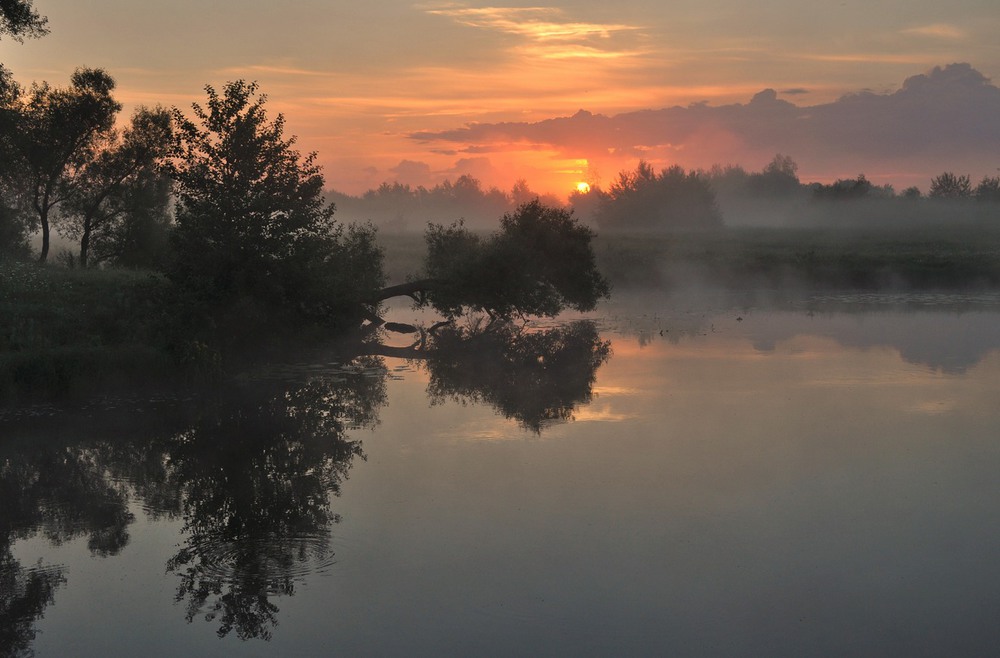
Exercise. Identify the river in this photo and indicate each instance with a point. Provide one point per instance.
(665, 476)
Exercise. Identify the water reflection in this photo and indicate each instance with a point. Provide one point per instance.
(535, 377)
(253, 476)
(950, 333)
(250, 469)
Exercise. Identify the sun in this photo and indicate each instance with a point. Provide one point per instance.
(582, 187)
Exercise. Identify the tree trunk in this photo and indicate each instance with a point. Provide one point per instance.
(44, 217)
(85, 245)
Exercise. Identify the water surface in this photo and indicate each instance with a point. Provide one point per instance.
(671, 477)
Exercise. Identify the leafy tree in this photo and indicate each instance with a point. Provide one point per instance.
(140, 237)
(843, 189)
(108, 187)
(779, 177)
(52, 133)
(950, 186)
(988, 189)
(14, 228)
(254, 234)
(643, 199)
(538, 263)
(18, 19)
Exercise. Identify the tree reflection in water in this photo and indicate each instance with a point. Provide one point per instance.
(254, 474)
(252, 467)
(534, 377)
(62, 492)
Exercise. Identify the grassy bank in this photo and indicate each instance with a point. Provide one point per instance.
(64, 332)
(68, 332)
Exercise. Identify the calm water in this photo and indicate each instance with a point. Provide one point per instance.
(670, 478)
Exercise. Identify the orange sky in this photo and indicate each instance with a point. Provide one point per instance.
(356, 81)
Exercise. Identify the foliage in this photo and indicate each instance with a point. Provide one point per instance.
(118, 183)
(643, 199)
(254, 238)
(65, 330)
(19, 19)
(950, 186)
(13, 234)
(51, 134)
(538, 263)
(988, 189)
(846, 189)
(779, 177)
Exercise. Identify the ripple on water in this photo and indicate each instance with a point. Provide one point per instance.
(272, 558)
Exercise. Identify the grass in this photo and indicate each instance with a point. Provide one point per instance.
(62, 331)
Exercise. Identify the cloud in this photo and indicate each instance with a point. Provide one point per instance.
(413, 172)
(943, 119)
(548, 32)
(480, 168)
(938, 31)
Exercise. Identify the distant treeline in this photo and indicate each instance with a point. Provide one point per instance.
(401, 207)
(673, 198)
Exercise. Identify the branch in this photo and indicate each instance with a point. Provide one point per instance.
(409, 289)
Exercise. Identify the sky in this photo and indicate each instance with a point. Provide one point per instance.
(559, 93)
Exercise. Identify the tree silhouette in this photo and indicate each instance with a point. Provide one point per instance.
(52, 133)
(643, 200)
(539, 262)
(18, 19)
(254, 236)
(950, 186)
(109, 185)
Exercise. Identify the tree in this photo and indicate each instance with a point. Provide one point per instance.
(107, 188)
(643, 199)
(52, 135)
(19, 19)
(950, 186)
(844, 189)
(779, 177)
(538, 263)
(254, 234)
(14, 228)
(988, 189)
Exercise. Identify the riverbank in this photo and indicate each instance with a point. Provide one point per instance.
(68, 332)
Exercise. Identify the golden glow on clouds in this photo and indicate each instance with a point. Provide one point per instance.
(355, 81)
(939, 31)
(536, 23)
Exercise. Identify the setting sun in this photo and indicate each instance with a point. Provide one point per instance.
(582, 187)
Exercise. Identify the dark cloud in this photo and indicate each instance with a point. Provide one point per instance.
(410, 169)
(797, 91)
(944, 119)
(480, 168)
